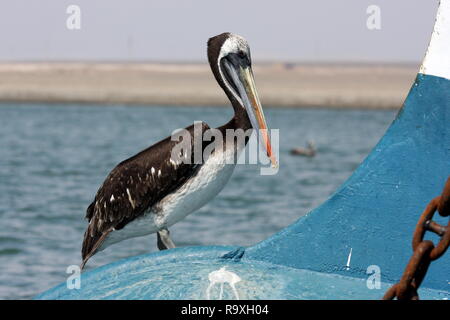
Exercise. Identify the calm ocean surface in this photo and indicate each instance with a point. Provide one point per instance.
(54, 158)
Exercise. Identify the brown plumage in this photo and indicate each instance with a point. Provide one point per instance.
(131, 189)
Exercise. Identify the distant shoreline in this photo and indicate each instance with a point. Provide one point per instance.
(343, 85)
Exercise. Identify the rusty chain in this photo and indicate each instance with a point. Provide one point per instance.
(424, 251)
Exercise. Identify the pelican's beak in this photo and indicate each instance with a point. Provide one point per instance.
(242, 77)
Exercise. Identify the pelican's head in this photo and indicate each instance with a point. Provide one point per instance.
(230, 61)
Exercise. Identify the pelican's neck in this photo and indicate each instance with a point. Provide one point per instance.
(240, 118)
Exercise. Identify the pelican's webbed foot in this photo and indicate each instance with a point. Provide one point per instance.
(164, 241)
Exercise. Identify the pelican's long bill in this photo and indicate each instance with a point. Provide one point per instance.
(244, 82)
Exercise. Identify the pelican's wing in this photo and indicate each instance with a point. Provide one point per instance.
(136, 184)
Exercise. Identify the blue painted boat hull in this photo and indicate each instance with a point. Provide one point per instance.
(376, 210)
(183, 274)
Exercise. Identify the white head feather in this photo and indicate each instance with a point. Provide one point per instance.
(233, 44)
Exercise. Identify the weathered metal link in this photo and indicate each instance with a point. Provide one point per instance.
(391, 293)
(427, 215)
(424, 251)
(435, 227)
(442, 246)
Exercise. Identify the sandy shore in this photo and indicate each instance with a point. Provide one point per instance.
(302, 85)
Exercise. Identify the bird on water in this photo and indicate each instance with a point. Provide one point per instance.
(309, 151)
(151, 191)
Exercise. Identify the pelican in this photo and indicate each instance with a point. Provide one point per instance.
(151, 191)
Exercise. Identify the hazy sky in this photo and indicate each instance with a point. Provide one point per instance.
(312, 30)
